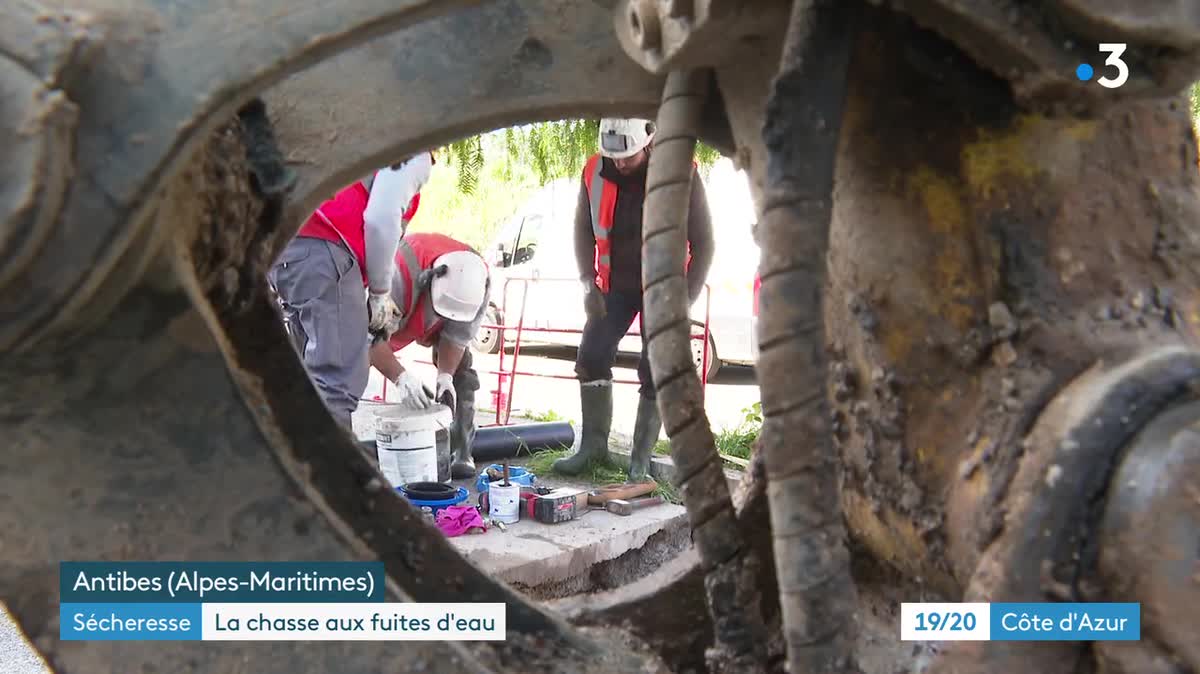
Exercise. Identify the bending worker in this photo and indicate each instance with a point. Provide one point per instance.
(348, 243)
(608, 251)
(442, 287)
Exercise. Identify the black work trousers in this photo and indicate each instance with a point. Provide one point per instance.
(598, 345)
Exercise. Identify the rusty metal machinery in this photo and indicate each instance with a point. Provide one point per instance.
(979, 338)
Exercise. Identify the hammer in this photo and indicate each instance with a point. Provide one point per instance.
(618, 506)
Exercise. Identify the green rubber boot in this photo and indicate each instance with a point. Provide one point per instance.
(645, 434)
(596, 400)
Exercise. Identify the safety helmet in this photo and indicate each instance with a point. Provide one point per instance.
(458, 292)
(620, 138)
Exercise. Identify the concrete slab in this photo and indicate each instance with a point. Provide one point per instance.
(597, 551)
(531, 553)
(565, 556)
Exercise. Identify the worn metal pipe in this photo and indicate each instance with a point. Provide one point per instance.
(803, 118)
(730, 566)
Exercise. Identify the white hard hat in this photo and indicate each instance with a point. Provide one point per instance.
(620, 138)
(458, 293)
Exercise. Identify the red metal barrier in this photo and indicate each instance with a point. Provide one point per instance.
(502, 399)
(510, 375)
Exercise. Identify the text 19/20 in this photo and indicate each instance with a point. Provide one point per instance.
(945, 622)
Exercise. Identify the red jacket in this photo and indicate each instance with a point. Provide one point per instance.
(340, 219)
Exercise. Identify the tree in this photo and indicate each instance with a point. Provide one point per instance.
(552, 149)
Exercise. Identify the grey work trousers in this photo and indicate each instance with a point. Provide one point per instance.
(321, 292)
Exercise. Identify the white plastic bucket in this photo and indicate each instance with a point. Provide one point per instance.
(407, 447)
(504, 503)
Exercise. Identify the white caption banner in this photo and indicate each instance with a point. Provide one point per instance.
(945, 622)
(353, 622)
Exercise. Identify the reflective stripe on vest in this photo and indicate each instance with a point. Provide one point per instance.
(423, 331)
(602, 196)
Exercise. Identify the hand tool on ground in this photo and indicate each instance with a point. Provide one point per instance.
(602, 495)
(619, 506)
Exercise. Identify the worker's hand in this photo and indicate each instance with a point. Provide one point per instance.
(412, 392)
(593, 301)
(445, 390)
(382, 314)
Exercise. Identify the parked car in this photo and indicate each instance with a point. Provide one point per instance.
(533, 263)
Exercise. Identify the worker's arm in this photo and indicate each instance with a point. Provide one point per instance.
(383, 219)
(385, 361)
(585, 238)
(410, 390)
(700, 236)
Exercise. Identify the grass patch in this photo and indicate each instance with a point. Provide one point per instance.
(736, 442)
(668, 492)
(597, 473)
(549, 415)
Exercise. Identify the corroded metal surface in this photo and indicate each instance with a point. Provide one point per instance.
(1148, 541)
(972, 274)
(730, 564)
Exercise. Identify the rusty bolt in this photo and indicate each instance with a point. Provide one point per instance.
(643, 20)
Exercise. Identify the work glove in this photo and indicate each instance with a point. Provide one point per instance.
(593, 301)
(412, 392)
(383, 315)
(445, 390)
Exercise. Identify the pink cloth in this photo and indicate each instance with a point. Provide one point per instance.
(459, 519)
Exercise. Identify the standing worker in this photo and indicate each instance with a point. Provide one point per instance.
(608, 250)
(349, 243)
(442, 287)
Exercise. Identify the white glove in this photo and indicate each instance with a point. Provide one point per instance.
(445, 387)
(383, 314)
(412, 392)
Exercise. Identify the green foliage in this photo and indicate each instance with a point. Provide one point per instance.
(597, 473)
(737, 441)
(480, 181)
(551, 149)
(468, 198)
(549, 415)
(1196, 100)
(740, 441)
(753, 414)
(468, 154)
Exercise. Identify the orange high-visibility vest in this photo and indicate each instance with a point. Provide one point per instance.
(602, 197)
(416, 253)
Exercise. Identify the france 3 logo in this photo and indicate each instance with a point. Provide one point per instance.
(1085, 71)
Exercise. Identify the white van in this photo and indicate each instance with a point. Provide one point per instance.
(533, 258)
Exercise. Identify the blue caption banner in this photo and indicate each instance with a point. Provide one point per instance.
(130, 622)
(220, 582)
(1066, 622)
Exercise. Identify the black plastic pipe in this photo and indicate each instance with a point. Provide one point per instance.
(505, 442)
